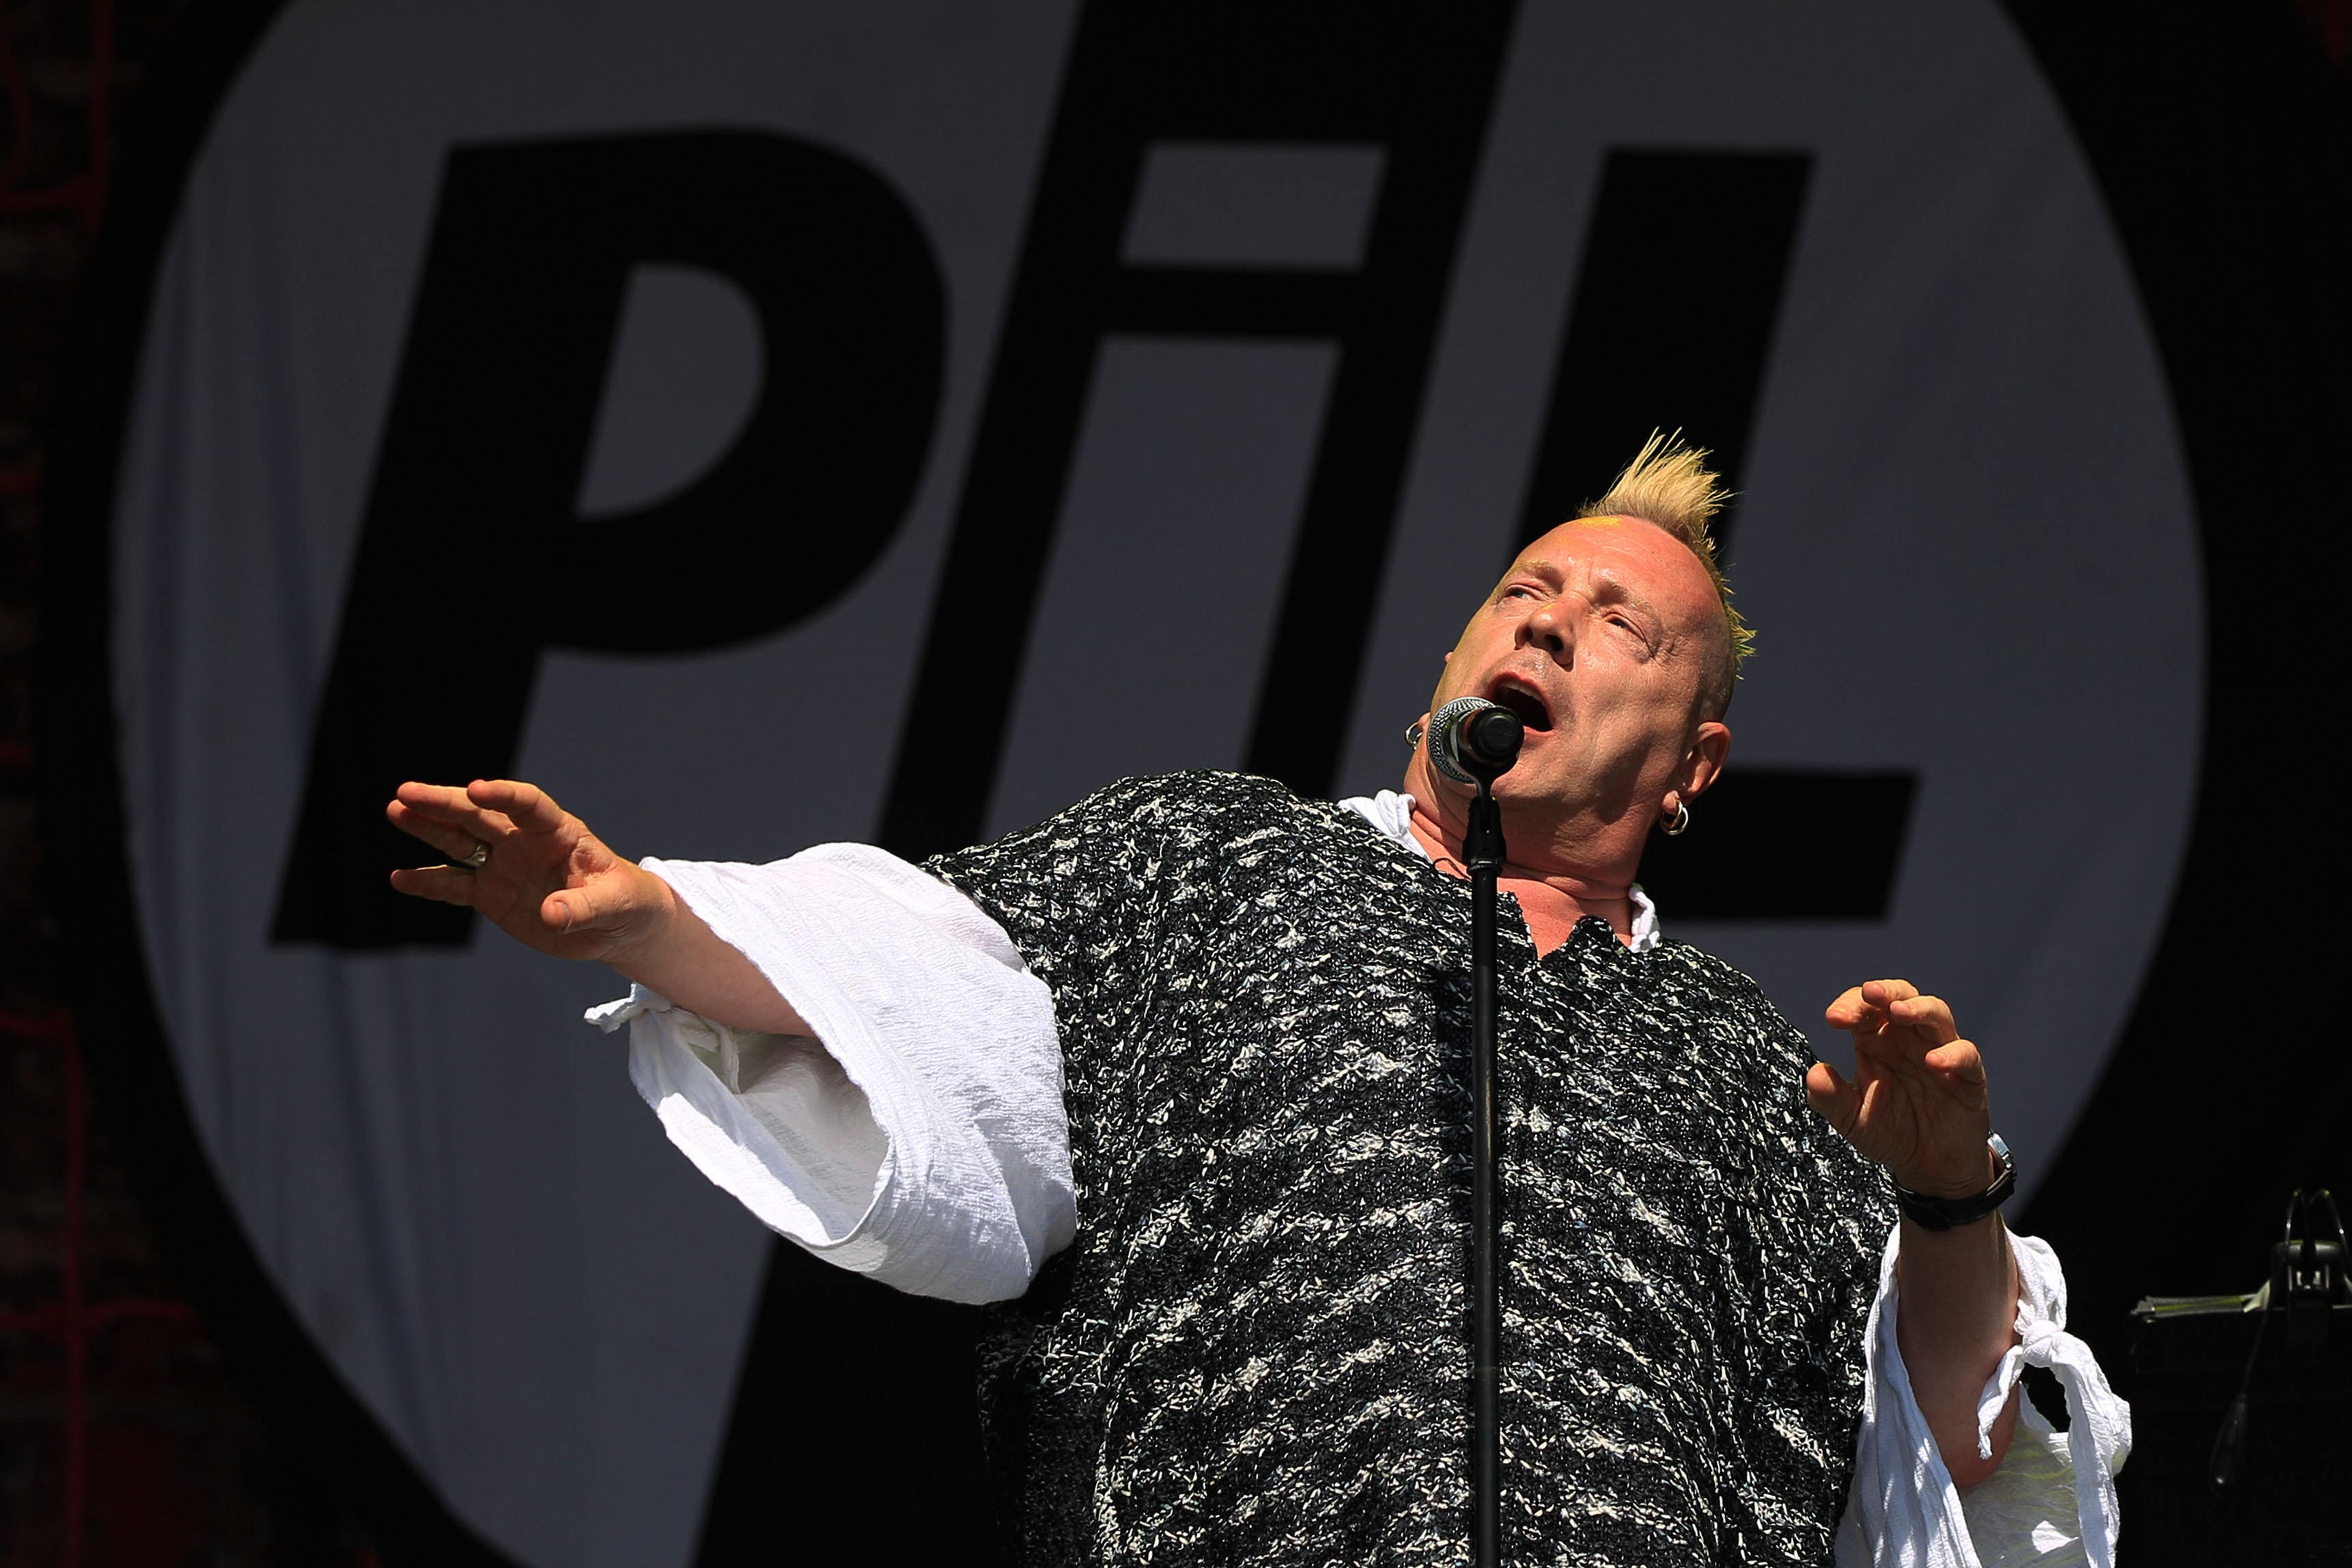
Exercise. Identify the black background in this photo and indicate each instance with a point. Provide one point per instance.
(2222, 144)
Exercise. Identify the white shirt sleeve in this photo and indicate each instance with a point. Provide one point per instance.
(2052, 1501)
(920, 1138)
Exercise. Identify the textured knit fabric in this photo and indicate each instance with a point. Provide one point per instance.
(1256, 1349)
(1392, 812)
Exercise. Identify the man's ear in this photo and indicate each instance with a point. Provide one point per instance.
(1703, 763)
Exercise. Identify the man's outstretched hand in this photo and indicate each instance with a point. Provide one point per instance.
(1918, 1103)
(548, 882)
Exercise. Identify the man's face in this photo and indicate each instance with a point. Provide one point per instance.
(1599, 638)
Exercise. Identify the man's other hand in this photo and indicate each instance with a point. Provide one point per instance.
(1917, 1106)
(1918, 1103)
(548, 882)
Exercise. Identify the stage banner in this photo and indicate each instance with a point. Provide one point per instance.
(767, 423)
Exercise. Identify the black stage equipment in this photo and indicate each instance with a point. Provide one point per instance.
(1473, 740)
(2241, 1412)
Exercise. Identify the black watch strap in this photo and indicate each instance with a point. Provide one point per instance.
(1944, 1214)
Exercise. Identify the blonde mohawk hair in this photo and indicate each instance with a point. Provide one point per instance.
(1669, 484)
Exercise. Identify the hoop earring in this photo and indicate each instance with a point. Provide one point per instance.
(1680, 824)
(1412, 735)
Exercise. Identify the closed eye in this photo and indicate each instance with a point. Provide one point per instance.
(1632, 628)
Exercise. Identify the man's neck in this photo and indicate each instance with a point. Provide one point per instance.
(1552, 900)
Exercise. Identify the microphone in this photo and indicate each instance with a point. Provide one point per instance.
(1473, 740)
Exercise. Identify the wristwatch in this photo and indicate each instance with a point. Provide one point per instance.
(1943, 1214)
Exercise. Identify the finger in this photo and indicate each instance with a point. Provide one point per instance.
(527, 806)
(1881, 1059)
(1958, 1062)
(1849, 1010)
(454, 842)
(573, 911)
(450, 806)
(1839, 1102)
(1947, 1075)
(1881, 993)
(563, 914)
(1901, 1053)
(442, 884)
(1905, 1045)
(1931, 1014)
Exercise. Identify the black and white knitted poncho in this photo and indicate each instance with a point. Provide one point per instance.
(1257, 1349)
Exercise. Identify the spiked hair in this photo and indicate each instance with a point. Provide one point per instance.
(1669, 484)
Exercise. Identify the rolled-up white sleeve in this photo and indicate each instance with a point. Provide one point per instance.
(920, 1138)
(2053, 1499)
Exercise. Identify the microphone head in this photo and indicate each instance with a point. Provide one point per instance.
(1489, 740)
(1473, 740)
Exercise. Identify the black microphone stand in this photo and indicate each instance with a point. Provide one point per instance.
(1474, 742)
(1482, 853)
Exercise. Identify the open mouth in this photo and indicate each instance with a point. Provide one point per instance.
(1522, 700)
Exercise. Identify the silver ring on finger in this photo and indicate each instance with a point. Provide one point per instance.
(476, 860)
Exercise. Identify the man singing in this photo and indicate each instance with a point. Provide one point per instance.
(1179, 1078)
